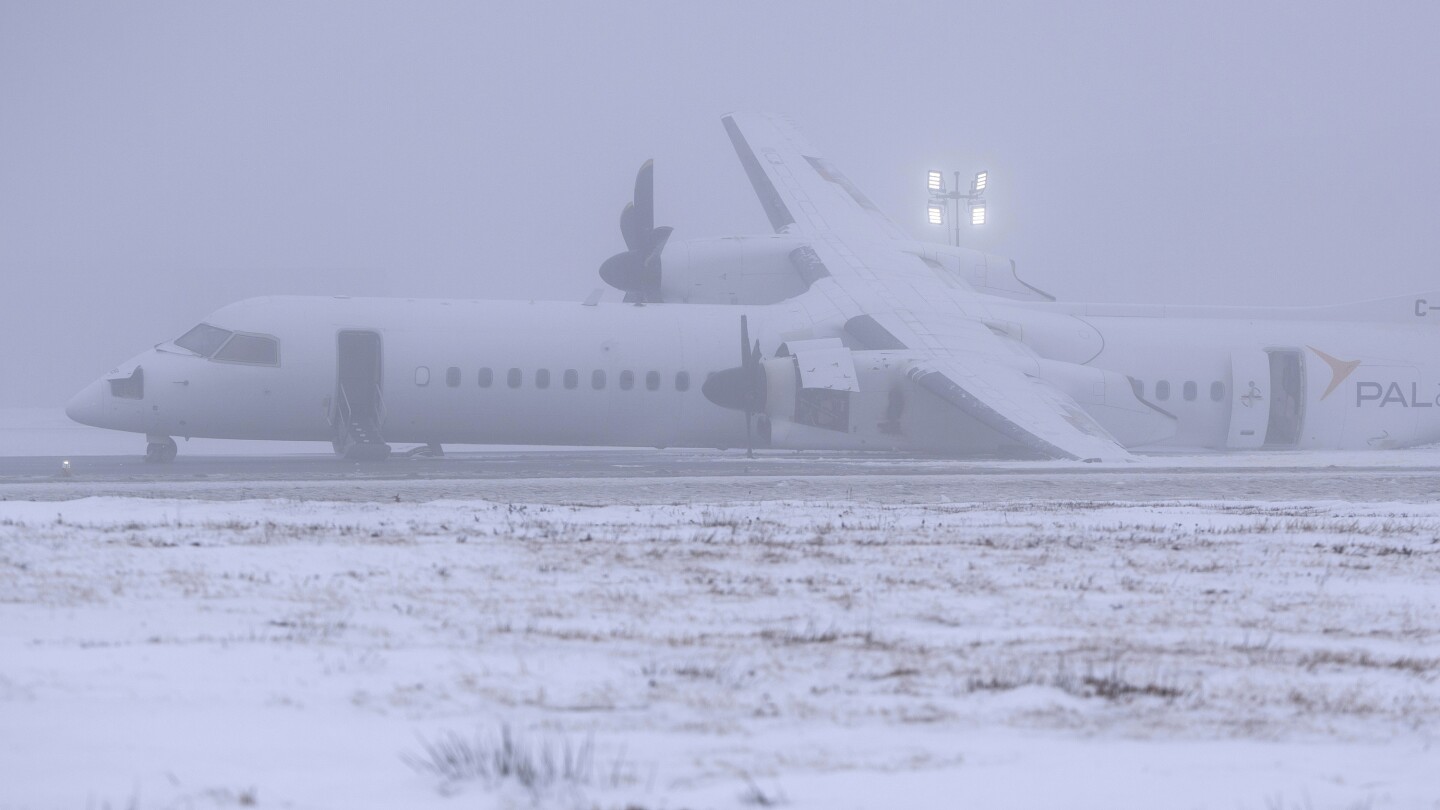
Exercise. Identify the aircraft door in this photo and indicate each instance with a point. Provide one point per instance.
(359, 408)
(1287, 398)
(1249, 398)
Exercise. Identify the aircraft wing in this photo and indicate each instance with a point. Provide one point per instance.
(993, 380)
(799, 189)
(892, 299)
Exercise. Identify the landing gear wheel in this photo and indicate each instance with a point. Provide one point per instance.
(161, 452)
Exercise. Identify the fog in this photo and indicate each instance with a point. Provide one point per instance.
(158, 160)
(673, 621)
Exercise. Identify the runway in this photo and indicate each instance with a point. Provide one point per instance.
(659, 476)
(489, 464)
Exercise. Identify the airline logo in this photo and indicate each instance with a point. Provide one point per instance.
(1392, 394)
(1339, 370)
(1383, 393)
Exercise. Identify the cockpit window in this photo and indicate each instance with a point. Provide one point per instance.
(203, 339)
(254, 349)
(132, 387)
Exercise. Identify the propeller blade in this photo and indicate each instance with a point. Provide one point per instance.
(645, 198)
(651, 291)
(637, 270)
(742, 387)
(744, 342)
(755, 394)
(659, 237)
(630, 272)
(630, 228)
(749, 438)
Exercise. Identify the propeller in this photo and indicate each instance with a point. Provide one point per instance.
(637, 270)
(741, 388)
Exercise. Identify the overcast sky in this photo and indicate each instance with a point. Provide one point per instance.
(158, 160)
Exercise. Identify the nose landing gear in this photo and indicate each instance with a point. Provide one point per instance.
(160, 450)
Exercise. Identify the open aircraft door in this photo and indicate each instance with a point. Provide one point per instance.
(1249, 398)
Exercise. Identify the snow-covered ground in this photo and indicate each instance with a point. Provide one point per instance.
(829, 654)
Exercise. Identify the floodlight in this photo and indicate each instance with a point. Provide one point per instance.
(937, 215)
(977, 215)
(937, 182)
(979, 185)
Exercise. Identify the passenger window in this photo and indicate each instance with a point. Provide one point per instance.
(597, 379)
(652, 381)
(252, 349)
(422, 375)
(512, 378)
(627, 380)
(1162, 390)
(1139, 386)
(682, 381)
(572, 378)
(1217, 390)
(487, 377)
(203, 339)
(542, 378)
(1190, 391)
(452, 377)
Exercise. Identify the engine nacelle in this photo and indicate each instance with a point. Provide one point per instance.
(768, 269)
(825, 396)
(752, 270)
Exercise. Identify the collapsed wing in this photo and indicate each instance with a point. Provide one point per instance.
(893, 300)
(989, 383)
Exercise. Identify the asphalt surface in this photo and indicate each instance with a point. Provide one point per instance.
(650, 476)
(586, 463)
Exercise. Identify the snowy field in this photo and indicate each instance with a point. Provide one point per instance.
(817, 653)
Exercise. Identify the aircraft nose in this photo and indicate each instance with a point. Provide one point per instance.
(85, 406)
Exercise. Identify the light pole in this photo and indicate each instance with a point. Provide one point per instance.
(941, 198)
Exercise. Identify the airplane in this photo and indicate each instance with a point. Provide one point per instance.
(836, 332)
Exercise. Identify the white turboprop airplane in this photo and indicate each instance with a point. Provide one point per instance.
(863, 339)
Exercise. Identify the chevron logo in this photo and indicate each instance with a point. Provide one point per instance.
(1339, 370)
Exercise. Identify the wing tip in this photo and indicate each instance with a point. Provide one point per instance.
(770, 199)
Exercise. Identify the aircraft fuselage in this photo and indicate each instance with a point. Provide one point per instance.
(559, 373)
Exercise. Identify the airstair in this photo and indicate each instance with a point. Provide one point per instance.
(358, 425)
(358, 412)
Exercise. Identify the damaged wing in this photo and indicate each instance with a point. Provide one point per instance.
(996, 382)
(893, 300)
